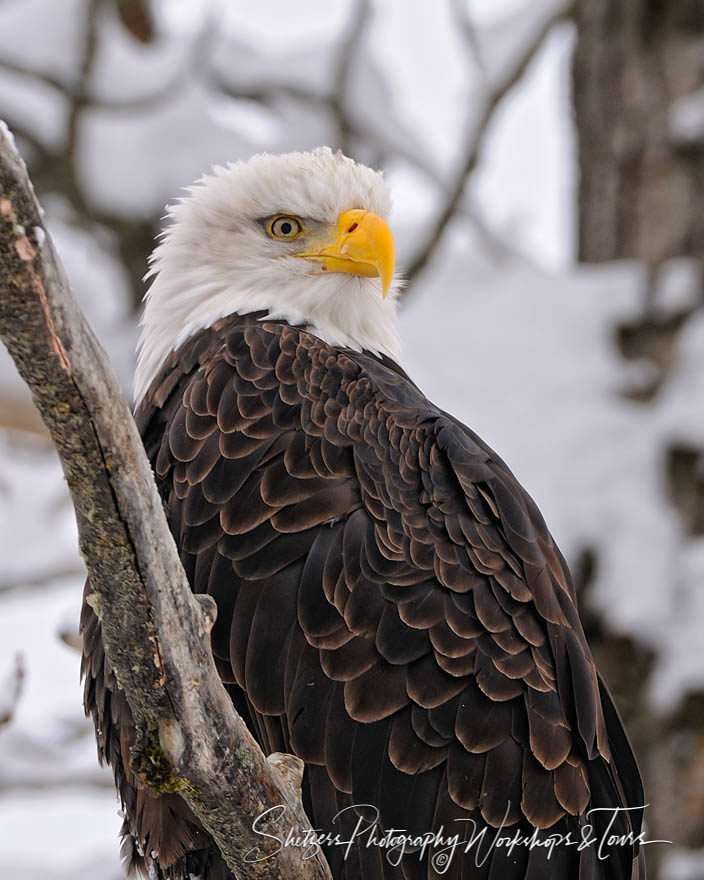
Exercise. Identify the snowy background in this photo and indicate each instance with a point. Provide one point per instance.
(500, 325)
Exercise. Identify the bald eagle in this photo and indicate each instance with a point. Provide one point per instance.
(391, 606)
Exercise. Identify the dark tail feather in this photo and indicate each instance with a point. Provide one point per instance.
(617, 785)
(205, 864)
(624, 759)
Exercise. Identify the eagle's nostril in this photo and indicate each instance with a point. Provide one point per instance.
(352, 227)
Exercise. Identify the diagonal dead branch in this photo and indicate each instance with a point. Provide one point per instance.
(155, 632)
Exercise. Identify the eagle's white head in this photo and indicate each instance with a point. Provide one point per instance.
(302, 236)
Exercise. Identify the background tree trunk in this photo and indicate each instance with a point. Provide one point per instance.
(642, 185)
(637, 66)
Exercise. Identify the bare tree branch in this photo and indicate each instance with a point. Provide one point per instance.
(87, 61)
(453, 204)
(190, 738)
(468, 31)
(11, 690)
(347, 52)
(193, 68)
(334, 100)
(41, 580)
(55, 170)
(495, 246)
(83, 93)
(18, 414)
(38, 76)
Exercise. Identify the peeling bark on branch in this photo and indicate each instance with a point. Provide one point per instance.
(156, 634)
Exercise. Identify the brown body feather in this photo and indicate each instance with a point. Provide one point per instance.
(391, 608)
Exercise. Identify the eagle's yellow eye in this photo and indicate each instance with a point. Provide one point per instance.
(284, 227)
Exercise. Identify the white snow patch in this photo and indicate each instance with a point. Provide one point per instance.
(683, 864)
(687, 119)
(6, 133)
(57, 819)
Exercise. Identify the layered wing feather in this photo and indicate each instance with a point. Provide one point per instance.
(391, 605)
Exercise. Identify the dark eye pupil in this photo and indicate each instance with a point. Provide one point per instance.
(286, 228)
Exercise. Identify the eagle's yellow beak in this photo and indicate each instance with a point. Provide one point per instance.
(362, 244)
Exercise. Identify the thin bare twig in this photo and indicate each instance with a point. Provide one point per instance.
(77, 96)
(194, 67)
(465, 25)
(11, 691)
(40, 77)
(333, 101)
(94, 101)
(343, 70)
(495, 245)
(41, 581)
